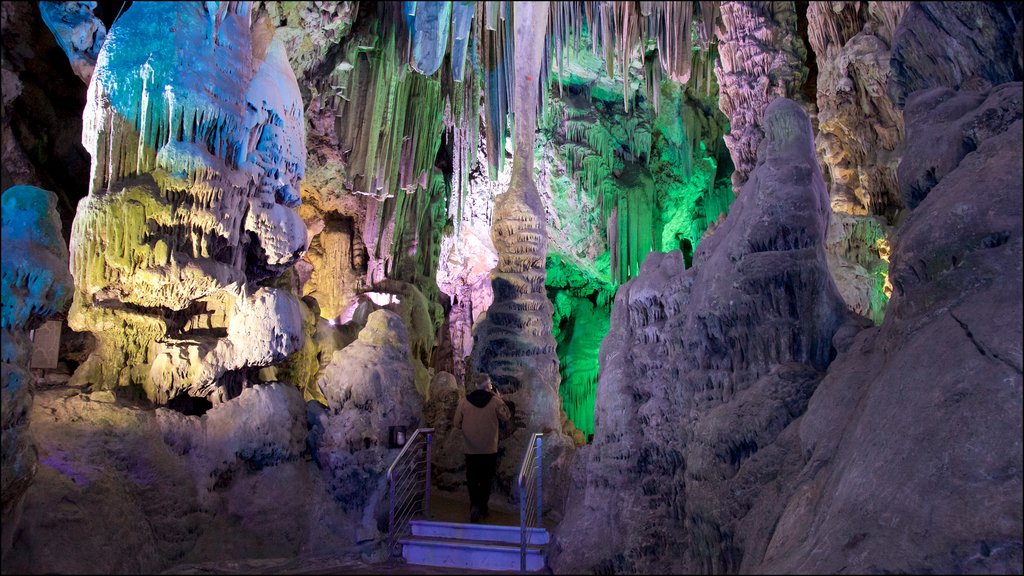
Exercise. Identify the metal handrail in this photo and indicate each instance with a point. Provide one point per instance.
(530, 491)
(404, 484)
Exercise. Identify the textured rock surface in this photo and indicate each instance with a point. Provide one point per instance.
(513, 343)
(127, 490)
(860, 137)
(761, 58)
(195, 178)
(923, 472)
(859, 127)
(701, 372)
(449, 464)
(369, 387)
(78, 31)
(36, 285)
(954, 44)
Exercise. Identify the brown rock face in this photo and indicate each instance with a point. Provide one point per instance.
(860, 134)
(703, 369)
(761, 58)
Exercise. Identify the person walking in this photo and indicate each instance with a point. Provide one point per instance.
(478, 415)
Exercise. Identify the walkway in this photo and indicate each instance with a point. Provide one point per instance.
(444, 507)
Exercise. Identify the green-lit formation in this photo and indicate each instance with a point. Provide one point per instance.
(640, 178)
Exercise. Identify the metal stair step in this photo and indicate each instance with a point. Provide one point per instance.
(471, 554)
(479, 532)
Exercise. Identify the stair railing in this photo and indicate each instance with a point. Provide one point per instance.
(409, 484)
(530, 492)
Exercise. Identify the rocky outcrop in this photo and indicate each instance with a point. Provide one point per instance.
(127, 490)
(195, 180)
(369, 387)
(702, 371)
(78, 31)
(36, 285)
(761, 58)
(977, 47)
(912, 443)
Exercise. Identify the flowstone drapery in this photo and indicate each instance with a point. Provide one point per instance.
(198, 147)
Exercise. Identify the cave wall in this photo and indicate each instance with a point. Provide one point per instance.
(629, 164)
(900, 449)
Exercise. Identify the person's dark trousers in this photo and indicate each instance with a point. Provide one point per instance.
(479, 477)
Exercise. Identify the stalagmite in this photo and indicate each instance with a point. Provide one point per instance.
(514, 343)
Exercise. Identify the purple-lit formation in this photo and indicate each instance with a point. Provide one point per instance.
(748, 276)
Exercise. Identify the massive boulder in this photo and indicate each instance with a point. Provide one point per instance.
(702, 371)
(195, 179)
(36, 285)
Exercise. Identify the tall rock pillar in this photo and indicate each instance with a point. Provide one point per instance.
(762, 58)
(513, 343)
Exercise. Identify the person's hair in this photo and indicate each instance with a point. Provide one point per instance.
(482, 381)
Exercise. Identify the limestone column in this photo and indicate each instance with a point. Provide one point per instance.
(761, 58)
(514, 343)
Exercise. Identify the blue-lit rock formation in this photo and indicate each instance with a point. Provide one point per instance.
(198, 147)
(36, 285)
(78, 31)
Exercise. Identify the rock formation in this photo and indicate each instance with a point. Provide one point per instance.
(703, 369)
(977, 48)
(196, 171)
(761, 58)
(78, 31)
(122, 489)
(911, 446)
(859, 142)
(369, 387)
(514, 343)
(36, 285)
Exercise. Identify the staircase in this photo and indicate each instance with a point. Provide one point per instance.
(510, 546)
(473, 546)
